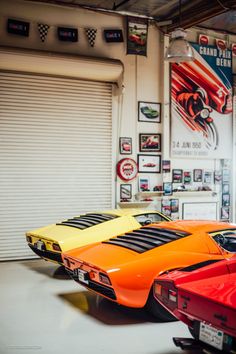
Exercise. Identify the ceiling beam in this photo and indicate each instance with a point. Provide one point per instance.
(198, 12)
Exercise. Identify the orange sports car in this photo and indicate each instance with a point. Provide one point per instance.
(123, 268)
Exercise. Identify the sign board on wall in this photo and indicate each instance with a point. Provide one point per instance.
(201, 104)
(200, 211)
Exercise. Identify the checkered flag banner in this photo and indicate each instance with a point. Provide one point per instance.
(43, 31)
(91, 35)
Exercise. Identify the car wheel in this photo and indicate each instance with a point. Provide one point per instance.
(158, 311)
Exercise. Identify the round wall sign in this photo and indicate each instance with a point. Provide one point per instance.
(127, 169)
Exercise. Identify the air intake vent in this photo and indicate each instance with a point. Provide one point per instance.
(84, 221)
(146, 238)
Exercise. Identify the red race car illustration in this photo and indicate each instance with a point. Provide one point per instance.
(196, 91)
(149, 164)
(203, 296)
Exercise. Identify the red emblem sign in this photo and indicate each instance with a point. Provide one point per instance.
(127, 169)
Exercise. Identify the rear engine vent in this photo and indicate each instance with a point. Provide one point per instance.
(84, 221)
(146, 238)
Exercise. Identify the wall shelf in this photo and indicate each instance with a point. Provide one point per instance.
(133, 204)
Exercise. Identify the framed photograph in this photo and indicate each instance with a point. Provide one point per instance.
(224, 215)
(144, 184)
(177, 176)
(197, 175)
(225, 188)
(174, 205)
(125, 146)
(217, 176)
(187, 177)
(137, 31)
(125, 191)
(208, 177)
(165, 166)
(149, 142)
(225, 200)
(149, 112)
(225, 175)
(149, 163)
(166, 207)
(167, 188)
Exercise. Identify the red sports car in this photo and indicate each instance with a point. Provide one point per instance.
(203, 296)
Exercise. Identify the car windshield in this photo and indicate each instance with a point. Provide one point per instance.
(149, 218)
(227, 240)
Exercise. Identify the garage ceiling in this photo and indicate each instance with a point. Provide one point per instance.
(215, 14)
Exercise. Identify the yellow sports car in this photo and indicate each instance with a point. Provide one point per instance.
(48, 242)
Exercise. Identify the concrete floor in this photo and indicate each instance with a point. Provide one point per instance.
(44, 312)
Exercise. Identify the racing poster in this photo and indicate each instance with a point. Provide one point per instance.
(201, 105)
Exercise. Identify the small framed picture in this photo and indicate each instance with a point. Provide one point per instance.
(224, 213)
(177, 176)
(174, 204)
(225, 200)
(187, 177)
(217, 176)
(166, 207)
(225, 188)
(144, 184)
(197, 175)
(150, 142)
(208, 177)
(149, 163)
(149, 112)
(225, 175)
(167, 188)
(165, 166)
(125, 191)
(125, 146)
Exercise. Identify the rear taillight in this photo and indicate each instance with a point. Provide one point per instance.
(172, 295)
(66, 262)
(104, 279)
(166, 293)
(29, 239)
(56, 247)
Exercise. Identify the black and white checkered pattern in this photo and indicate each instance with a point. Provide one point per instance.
(91, 35)
(43, 31)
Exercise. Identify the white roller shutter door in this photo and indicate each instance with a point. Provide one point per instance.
(55, 153)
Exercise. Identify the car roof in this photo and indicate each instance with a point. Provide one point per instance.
(193, 226)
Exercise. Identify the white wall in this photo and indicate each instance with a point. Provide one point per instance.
(142, 75)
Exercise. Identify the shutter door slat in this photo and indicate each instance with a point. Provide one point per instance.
(55, 154)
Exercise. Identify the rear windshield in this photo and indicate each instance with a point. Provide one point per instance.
(150, 218)
(226, 240)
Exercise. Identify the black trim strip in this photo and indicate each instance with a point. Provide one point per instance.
(199, 265)
(53, 256)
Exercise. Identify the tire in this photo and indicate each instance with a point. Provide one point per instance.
(158, 311)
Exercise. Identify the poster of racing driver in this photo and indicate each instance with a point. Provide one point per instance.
(201, 104)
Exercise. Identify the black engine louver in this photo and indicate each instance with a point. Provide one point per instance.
(146, 238)
(84, 221)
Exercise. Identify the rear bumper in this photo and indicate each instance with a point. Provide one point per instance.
(103, 290)
(51, 256)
